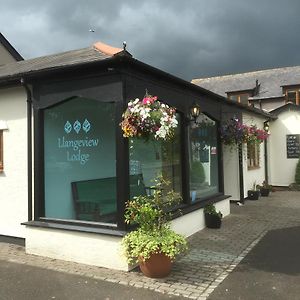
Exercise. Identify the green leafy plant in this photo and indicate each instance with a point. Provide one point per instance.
(210, 209)
(264, 185)
(152, 215)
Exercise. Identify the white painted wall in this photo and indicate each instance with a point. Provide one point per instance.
(282, 169)
(256, 176)
(87, 248)
(99, 249)
(231, 173)
(231, 164)
(13, 180)
(194, 221)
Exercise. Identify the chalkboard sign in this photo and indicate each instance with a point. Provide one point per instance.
(293, 145)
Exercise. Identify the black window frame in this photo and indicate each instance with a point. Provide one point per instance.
(122, 165)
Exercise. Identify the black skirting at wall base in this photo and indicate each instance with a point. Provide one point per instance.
(12, 240)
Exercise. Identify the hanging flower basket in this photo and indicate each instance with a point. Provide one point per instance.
(234, 133)
(149, 118)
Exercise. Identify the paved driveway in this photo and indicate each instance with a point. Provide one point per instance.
(213, 254)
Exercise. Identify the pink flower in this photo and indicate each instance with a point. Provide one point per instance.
(149, 100)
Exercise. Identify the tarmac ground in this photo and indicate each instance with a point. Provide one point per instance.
(23, 282)
(271, 270)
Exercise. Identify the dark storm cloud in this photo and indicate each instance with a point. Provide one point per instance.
(192, 38)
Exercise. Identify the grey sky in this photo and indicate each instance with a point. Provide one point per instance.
(187, 38)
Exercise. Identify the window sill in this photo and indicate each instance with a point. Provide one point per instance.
(253, 168)
(88, 228)
(198, 204)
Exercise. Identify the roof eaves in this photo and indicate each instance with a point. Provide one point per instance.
(35, 73)
(283, 108)
(255, 98)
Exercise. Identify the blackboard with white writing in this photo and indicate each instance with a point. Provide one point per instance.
(293, 145)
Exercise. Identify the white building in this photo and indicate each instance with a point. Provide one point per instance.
(61, 143)
(276, 91)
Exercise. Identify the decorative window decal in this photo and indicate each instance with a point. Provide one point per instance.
(86, 126)
(68, 127)
(77, 126)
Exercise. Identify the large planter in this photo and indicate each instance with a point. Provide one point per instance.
(157, 266)
(212, 221)
(264, 192)
(253, 195)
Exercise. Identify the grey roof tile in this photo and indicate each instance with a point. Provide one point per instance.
(64, 59)
(271, 82)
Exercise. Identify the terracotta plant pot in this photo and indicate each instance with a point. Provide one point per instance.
(212, 221)
(157, 266)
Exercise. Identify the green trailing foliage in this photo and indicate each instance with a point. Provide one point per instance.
(152, 215)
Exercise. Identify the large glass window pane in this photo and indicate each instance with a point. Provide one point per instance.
(80, 161)
(151, 158)
(203, 158)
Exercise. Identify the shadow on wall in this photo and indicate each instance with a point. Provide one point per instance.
(277, 252)
(13, 104)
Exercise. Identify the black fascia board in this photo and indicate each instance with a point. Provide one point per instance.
(12, 51)
(39, 75)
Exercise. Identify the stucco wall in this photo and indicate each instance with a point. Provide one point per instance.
(282, 169)
(13, 181)
(231, 173)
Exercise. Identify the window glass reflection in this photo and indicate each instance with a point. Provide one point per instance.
(203, 158)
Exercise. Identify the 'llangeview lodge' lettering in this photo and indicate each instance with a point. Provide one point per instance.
(76, 144)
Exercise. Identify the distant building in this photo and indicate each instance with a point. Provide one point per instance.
(276, 91)
(66, 171)
(265, 89)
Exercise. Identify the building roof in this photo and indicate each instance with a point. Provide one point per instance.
(271, 82)
(286, 107)
(12, 51)
(55, 61)
(99, 52)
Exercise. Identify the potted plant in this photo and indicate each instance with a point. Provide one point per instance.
(234, 133)
(264, 189)
(153, 244)
(213, 219)
(253, 194)
(149, 119)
